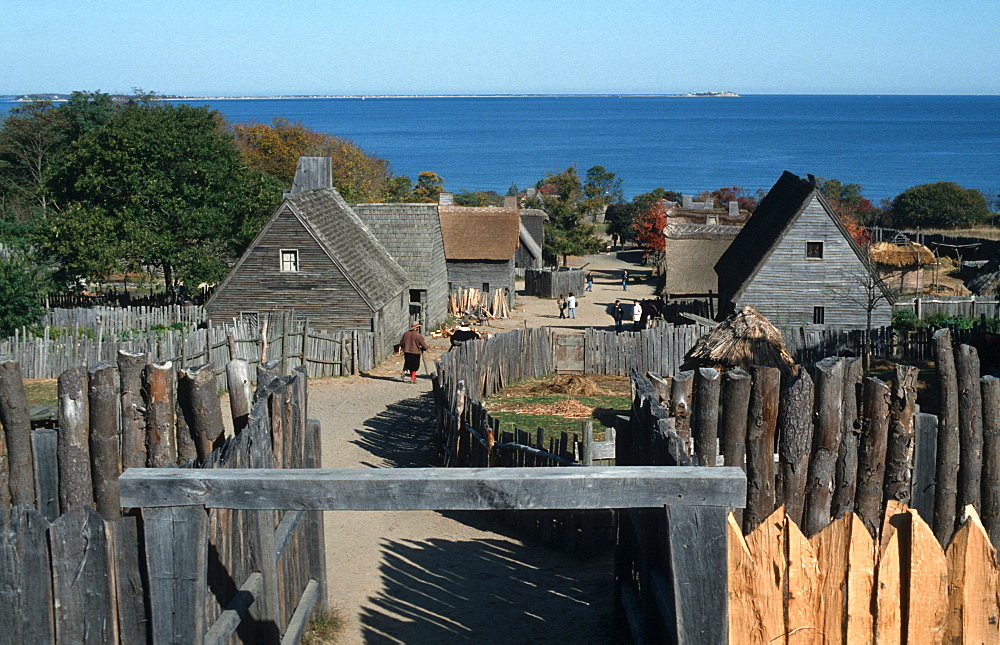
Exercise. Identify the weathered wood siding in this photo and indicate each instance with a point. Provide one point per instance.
(411, 233)
(465, 273)
(788, 284)
(319, 291)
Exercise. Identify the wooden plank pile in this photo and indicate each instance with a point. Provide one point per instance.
(470, 302)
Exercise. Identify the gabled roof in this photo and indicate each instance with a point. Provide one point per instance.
(782, 205)
(411, 233)
(350, 244)
(345, 239)
(488, 233)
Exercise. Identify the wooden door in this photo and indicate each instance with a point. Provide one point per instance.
(569, 353)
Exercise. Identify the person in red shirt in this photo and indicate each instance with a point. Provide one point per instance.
(412, 345)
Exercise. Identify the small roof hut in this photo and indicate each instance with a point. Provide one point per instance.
(900, 256)
(743, 339)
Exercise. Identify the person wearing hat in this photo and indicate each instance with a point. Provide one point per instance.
(462, 334)
(412, 345)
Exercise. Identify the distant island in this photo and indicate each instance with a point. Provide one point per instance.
(56, 97)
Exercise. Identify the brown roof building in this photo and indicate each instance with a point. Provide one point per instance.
(479, 245)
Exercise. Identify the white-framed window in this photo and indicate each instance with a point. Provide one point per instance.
(289, 260)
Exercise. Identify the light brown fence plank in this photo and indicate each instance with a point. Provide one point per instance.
(972, 584)
(888, 618)
(860, 583)
(767, 552)
(805, 583)
(928, 592)
(830, 546)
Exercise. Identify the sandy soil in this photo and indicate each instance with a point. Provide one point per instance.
(427, 577)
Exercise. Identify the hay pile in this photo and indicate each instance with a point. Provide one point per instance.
(891, 255)
(575, 385)
(745, 338)
(570, 409)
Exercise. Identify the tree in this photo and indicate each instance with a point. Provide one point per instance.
(601, 189)
(731, 194)
(566, 231)
(21, 284)
(275, 149)
(478, 198)
(428, 188)
(165, 186)
(648, 229)
(943, 204)
(32, 141)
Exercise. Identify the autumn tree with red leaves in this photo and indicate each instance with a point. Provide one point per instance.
(648, 228)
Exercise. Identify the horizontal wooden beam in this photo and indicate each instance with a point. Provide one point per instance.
(444, 489)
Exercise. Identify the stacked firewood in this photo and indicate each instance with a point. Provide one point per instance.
(478, 304)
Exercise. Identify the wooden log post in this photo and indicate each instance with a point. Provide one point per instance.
(795, 437)
(199, 402)
(735, 403)
(847, 457)
(240, 392)
(75, 484)
(902, 435)
(158, 395)
(16, 419)
(104, 460)
(681, 391)
(946, 491)
(826, 445)
(970, 427)
(871, 453)
(45, 448)
(587, 446)
(4, 473)
(705, 429)
(991, 458)
(133, 423)
(266, 372)
(762, 419)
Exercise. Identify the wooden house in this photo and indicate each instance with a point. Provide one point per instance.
(690, 252)
(797, 264)
(532, 239)
(316, 257)
(411, 233)
(479, 245)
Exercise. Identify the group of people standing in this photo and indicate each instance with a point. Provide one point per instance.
(618, 312)
(567, 306)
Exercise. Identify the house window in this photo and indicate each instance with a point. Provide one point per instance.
(289, 260)
(486, 287)
(819, 315)
(814, 250)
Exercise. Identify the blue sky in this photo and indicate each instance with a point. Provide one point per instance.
(225, 47)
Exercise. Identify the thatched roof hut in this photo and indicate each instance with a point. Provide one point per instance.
(908, 255)
(743, 339)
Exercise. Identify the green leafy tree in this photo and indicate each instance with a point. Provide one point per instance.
(32, 142)
(428, 187)
(478, 198)
(167, 184)
(21, 284)
(601, 189)
(566, 231)
(943, 204)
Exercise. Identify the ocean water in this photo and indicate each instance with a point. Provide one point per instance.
(884, 143)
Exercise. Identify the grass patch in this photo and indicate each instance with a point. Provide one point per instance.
(324, 628)
(560, 403)
(41, 391)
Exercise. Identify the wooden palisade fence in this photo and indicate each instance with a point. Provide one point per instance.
(291, 341)
(73, 566)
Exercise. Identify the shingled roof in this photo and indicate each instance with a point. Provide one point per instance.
(350, 244)
(487, 233)
(410, 232)
(782, 205)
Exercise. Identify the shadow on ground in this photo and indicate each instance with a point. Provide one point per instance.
(402, 434)
(439, 591)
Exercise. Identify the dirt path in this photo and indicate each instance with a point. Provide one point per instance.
(427, 577)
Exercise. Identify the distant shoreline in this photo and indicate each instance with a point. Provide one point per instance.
(56, 98)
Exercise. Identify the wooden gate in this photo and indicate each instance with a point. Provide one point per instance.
(568, 350)
(696, 500)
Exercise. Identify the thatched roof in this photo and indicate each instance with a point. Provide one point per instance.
(743, 339)
(486, 233)
(889, 254)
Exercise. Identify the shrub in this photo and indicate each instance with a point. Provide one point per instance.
(905, 320)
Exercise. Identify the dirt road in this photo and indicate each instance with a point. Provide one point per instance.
(427, 577)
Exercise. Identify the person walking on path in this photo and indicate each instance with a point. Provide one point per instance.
(618, 312)
(412, 345)
(636, 315)
(562, 306)
(625, 280)
(571, 305)
(590, 280)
